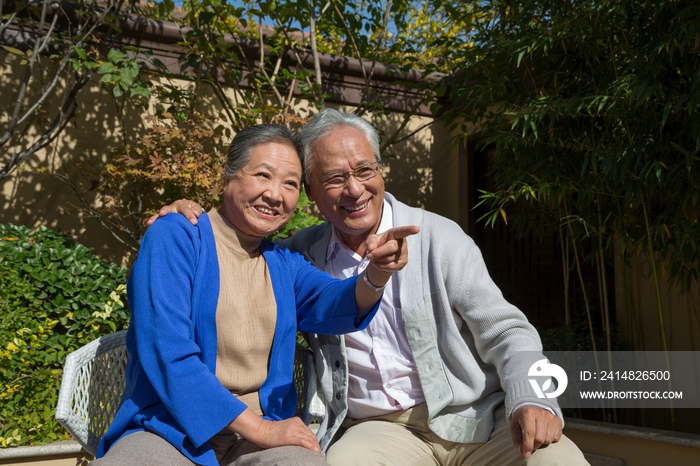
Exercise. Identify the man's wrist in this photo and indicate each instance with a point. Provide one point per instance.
(370, 285)
(537, 405)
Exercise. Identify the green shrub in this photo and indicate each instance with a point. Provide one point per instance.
(56, 296)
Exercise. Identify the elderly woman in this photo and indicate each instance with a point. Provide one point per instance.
(215, 311)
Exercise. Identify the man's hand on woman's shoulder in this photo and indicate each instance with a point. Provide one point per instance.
(190, 209)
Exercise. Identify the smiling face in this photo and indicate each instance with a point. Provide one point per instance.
(260, 198)
(356, 208)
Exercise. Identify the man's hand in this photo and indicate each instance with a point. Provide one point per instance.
(532, 427)
(388, 252)
(190, 209)
(270, 434)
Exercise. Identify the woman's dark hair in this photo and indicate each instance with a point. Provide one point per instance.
(247, 138)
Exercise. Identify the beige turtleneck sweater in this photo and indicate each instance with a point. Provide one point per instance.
(246, 312)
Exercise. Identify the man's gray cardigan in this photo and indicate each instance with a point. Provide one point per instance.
(466, 339)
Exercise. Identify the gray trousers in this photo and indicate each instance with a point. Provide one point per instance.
(147, 449)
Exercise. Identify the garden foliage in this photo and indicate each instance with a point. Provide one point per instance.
(591, 109)
(56, 297)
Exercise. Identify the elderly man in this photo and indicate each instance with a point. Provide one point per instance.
(435, 378)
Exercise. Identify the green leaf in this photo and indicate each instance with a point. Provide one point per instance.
(667, 110)
(206, 17)
(679, 148)
(13, 50)
(107, 67)
(159, 64)
(126, 81)
(115, 56)
(80, 52)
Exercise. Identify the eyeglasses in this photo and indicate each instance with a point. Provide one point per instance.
(340, 179)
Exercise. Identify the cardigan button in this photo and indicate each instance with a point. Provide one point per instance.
(337, 364)
(337, 395)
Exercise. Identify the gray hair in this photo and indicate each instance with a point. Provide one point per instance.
(320, 127)
(247, 138)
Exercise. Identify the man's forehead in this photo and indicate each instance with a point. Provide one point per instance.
(343, 146)
(327, 164)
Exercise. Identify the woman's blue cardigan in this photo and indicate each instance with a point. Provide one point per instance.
(173, 290)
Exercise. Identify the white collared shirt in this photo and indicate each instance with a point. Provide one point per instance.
(382, 373)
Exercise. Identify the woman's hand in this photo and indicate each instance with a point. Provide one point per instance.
(270, 434)
(288, 432)
(190, 209)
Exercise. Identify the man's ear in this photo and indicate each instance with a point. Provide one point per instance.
(307, 189)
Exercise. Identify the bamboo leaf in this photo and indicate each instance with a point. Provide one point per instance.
(679, 148)
(667, 110)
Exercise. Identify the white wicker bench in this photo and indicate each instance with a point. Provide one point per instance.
(93, 382)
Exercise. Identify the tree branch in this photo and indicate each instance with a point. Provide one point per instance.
(280, 99)
(314, 47)
(300, 62)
